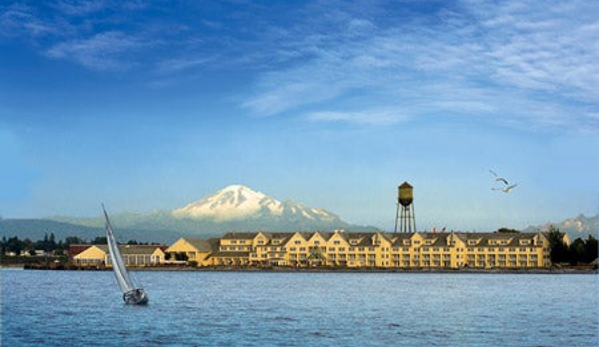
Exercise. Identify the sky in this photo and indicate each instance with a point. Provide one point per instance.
(151, 105)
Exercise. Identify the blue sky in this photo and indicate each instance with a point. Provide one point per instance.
(150, 105)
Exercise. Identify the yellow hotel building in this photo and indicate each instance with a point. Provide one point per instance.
(419, 250)
(133, 255)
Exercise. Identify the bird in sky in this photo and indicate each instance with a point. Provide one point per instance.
(499, 179)
(506, 189)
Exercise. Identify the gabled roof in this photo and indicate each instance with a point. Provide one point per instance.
(363, 239)
(204, 245)
(239, 236)
(485, 238)
(281, 237)
(397, 239)
(133, 249)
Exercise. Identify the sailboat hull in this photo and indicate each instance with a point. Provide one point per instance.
(136, 297)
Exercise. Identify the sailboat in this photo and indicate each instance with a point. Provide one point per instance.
(132, 294)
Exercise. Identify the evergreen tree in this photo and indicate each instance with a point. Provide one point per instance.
(591, 250)
(559, 250)
(577, 251)
(100, 240)
(72, 240)
(507, 230)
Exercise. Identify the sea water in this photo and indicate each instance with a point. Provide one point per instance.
(198, 308)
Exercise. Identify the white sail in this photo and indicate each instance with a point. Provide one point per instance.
(120, 271)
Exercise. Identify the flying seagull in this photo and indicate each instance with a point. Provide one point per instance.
(499, 179)
(506, 189)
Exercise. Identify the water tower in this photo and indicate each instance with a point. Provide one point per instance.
(405, 202)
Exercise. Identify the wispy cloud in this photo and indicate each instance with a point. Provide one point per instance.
(69, 30)
(103, 51)
(80, 8)
(371, 117)
(494, 61)
(171, 66)
(519, 63)
(22, 20)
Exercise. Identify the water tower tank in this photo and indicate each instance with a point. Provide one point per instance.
(405, 196)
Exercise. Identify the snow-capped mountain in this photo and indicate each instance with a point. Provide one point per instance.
(238, 202)
(234, 208)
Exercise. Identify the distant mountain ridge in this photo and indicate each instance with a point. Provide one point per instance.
(234, 208)
(580, 226)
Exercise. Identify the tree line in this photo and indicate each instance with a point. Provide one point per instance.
(49, 244)
(576, 253)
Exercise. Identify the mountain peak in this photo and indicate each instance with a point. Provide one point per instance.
(230, 203)
(238, 202)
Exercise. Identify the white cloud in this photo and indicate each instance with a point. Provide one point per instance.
(526, 63)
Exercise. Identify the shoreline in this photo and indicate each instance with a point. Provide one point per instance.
(282, 269)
